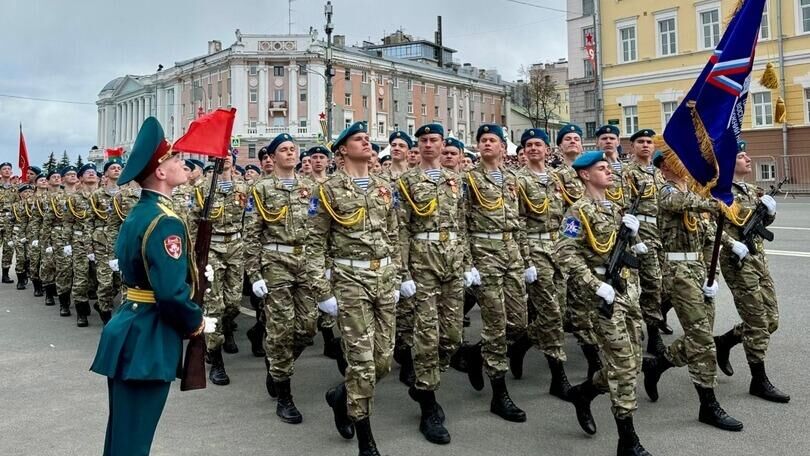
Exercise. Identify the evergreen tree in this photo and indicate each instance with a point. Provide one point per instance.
(65, 161)
(79, 161)
(49, 165)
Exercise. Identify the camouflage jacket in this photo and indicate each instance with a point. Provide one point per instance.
(619, 192)
(571, 188)
(227, 208)
(681, 220)
(635, 175)
(491, 208)
(123, 201)
(183, 200)
(540, 207)
(746, 198)
(21, 210)
(101, 202)
(83, 218)
(8, 196)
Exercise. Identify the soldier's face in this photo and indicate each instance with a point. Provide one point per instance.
(187, 170)
(608, 143)
(42, 183)
(55, 180)
(535, 150)
(319, 162)
(251, 175)
(399, 149)
(357, 147)
(490, 147)
(374, 166)
(5, 171)
(306, 165)
(643, 148)
(743, 165)
(30, 176)
(195, 174)
(26, 194)
(451, 157)
(599, 176)
(173, 171)
(90, 177)
(71, 178)
(571, 145)
(286, 156)
(430, 146)
(468, 163)
(267, 163)
(413, 157)
(113, 172)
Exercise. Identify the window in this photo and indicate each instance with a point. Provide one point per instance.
(585, 32)
(588, 68)
(278, 95)
(667, 109)
(364, 100)
(396, 106)
(410, 107)
(765, 26)
(807, 102)
(347, 122)
(492, 119)
(709, 28)
(410, 127)
(766, 171)
(347, 99)
(302, 96)
(424, 88)
(302, 122)
(627, 43)
(380, 104)
(364, 77)
(302, 68)
(253, 70)
(396, 82)
(630, 119)
(667, 36)
(380, 128)
(380, 79)
(804, 16)
(590, 129)
(278, 70)
(347, 74)
(219, 88)
(587, 7)
(482, 118)
(424, 110)
(436, 112)
(251, 150)
(763, 109)
(590, 99)
(254, 95)
(410, 84)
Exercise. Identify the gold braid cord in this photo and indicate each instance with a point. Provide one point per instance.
(618, 195)
(118, 211)
(73, 211)
(690, 222)
(483, 202)
(56, 212)
(268, 215)
(201, 202)
(536, 208)
(424, 211)
(350, 220)
(570, 199)
(99, 213)
(597, 246)
(14, 211)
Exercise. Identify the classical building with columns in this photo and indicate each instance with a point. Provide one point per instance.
(277, 84)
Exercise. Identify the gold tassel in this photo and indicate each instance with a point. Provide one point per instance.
(769, 78)
(780, 112)
(734, 12)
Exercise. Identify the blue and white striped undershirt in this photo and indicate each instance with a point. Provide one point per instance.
(288, 182)
(362, 182)
(434, 174)
(497, 176)
(650, 168)
(606, 203)
(543, 177)
(225, 186)
(617, 166)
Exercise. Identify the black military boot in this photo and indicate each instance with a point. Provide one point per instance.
(328, 343)
(458, 361)
(105, 316)
(82, 312)
(268, 380)
(653, 368)
(336, 398)
(342, 364)
(64, 304)
(559, 381)
(217, 373)
(431, 424)
(591, 353)
(229, 346)
(628, 440)
(406, 373)
(50, 294)
(256, 335)
(475, 366)
(6, 278)
(581, 396)
(502, 404)
(712, 414)
(365, 440)
(22, 280)
(724, 344)
(655, 345)
(516, 352)
(285, 407)
(38, 291)
(761, 386)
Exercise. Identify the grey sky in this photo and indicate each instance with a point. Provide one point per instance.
(64, 50)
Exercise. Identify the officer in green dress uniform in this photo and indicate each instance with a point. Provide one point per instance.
(140, 348)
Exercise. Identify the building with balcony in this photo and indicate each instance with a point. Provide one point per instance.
(582, 84)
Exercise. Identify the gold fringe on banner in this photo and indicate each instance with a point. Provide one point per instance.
(734, 12)
(780, 112)
(769, 78)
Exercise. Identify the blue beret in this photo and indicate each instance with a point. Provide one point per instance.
(533, 133)
(283, 137)
(5, 164)
(607, 129)
(430, 128)
(35, 169)
(570, 128)
(471, 156)
(643, 133)
(113, 161)
(453, 142)
(24, 187)
(741, 146)
(401, 135)
(319, 150)
(588, 159)
(385, 159)
(86, 167)
(240, 170)
(198, 163)
(253, 167)
(52, 172)
(66, 169)
(351, 130)
(191, 165)
(496, 130)
(208, 168)
(375, 148)
(149, 141)
(658, 158)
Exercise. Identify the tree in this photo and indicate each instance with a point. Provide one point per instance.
(49, 165)
(538, 95)
(65, 161)
(79, 161)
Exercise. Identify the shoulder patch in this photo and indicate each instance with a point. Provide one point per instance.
(667, 189)
(571, 227)
(314, 202)
(174, 246)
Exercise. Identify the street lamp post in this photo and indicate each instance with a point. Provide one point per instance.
(327, 10)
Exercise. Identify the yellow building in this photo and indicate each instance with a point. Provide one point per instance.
(652, 52)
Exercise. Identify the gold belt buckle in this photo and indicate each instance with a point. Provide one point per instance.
(507, 236)
(374, 265)
(444, 235)
(298, 249)
(625, 274)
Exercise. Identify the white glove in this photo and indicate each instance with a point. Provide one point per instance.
(328, 274)
(10, 243)
(630, 221)
(113, 264)
(260, 288)
(469, 278)
(329, 306)
(739, 249)
(606, 292)
(769, 203)
(530, 274)
(49, 250)
(396, 296)
(408, 288)
(209, 273)
(710, 291)
(639, 249)
(210, 324)
(476, 276)
(35, 243)
(68, 250)
(91, 257)
(23, 240)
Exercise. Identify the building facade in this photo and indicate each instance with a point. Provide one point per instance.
(582, 85)
(277, 84)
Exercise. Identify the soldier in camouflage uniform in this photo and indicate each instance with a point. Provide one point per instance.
(50, 235)
(682, 240)
(80, 208)
(587, 237)
(183, 195)
(256, 334)
(8, 195)
(541, 210)
(63, 238)
(436, 259)
(493, 224)
(23, 221)
(283, 272)
(35, 233)
(354, 225)
(752, 287)
(226, 258)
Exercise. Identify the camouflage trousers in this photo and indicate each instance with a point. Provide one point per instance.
(366, 317)
(620, 343)
(225, 297)
(578, 311)
(290, 310)
(109, 282)
(649, 273)
(47, 264)
(81, 267)
(502, 299)
(35, 260)
(437, 270)
(22, 249)
(406, 307)
(755, 298)
(6, 236)
(546, 326)
(64, 267)
(695, 347)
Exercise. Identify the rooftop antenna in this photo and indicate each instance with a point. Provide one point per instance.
(289, 16)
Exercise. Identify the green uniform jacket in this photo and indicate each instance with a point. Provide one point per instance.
(145, 341)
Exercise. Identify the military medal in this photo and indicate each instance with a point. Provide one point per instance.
(453, 186)
(511, 188)
(304, 193)
(385, 194)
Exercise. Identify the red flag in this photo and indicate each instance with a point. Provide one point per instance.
(209, 135)
(23, 160)
(118, 152)
(590, 50)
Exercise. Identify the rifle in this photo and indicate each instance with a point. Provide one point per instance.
(755, 226)
(619, 257)
(193, 376)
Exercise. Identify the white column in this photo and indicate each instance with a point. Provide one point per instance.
(316, 96)
(131, 120)
(117, 133)
(467, 118)
(454, 111)
(160, 107)
(263, 99)
(175, 101)
(372, 100)
(292, 97)
(148, 106)
(126, 123)
(239, 98)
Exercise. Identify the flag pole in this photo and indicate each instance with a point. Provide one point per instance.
(718, 237)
